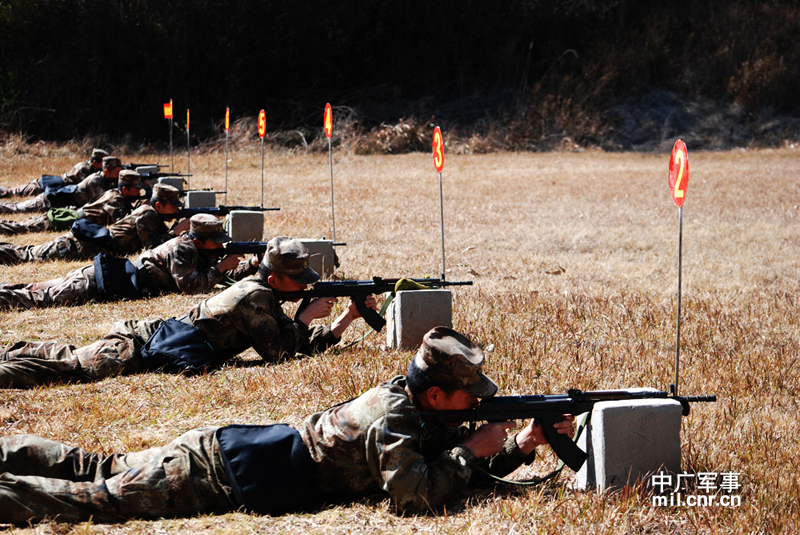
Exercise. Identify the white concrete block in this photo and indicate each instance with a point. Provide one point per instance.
(174, 181)
(201, 199)
(245, 225)
(323, 256)
(629, 440)
(415, 312)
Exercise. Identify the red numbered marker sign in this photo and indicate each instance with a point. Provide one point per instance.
(328, 121)
(227, 118)
(262, 124)
(679, 173)
(168, 110)
(438, 150)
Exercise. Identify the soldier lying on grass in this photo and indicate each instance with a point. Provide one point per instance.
(219, 328)
(377, 442)
(188, 264)
(78, 172)
(142, 228)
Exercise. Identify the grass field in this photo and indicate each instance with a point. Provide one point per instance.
(574, 257)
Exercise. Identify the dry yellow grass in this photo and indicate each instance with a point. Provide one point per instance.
(574, 258)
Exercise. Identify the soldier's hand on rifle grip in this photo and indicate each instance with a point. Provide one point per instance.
(489, 439)
(229, 262)
(533, 434)
(369, 301)
(317, 308)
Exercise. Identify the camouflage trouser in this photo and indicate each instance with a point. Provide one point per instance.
(42, 479)
(39, 223)
(66, 247)
(37, 204)
(26, 190)
(77, 287)
(27, 364)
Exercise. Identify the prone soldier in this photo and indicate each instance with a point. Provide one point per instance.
(379, 442)
(106, 209)
(186, 264)
(78, 172)
(244, 315)
(144, 228)
(78, 194)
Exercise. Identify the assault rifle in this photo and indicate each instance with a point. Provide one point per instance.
(220, 211)
(135, 166)
(358, 291)
(549, 410)
(244, 247)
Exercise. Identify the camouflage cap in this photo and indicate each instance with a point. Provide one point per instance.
(208, 227)
(450, 358)
(289, 257)
(110, 162)
(130, 179)
(98, 154)
(166, 194)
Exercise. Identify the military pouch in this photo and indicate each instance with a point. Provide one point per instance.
(180, 347)
(60, 196)
(89, 232)
(62, 218)
(270, 467)
(116, 278)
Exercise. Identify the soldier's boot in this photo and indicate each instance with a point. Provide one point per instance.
(10, 254)
(37, 204)
(27, 364)
(28, 190)
(39, 223)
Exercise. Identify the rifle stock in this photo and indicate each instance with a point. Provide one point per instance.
(358, 291)
(550, 409)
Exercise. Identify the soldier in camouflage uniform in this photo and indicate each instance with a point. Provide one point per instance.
(144, 228)
(378, 442)
(78, 194)
(186, 264)
(106, 209)
(242, 316)
(78, 172)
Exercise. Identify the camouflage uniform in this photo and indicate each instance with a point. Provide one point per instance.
(78, 172)
(110, 207)
(179, 266)
(377, 442)
(174, 266)
(142, 229)
(40, 478)
(242, 316)
(89, 188)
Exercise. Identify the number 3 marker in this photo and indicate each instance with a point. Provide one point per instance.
(679, 173)
(438, 150)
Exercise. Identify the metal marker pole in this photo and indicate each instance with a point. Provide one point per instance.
(171, 156)
(678, 337)
(441, 209)
(262, 172)
(226, 166)
(188, 159)
(333, 217)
